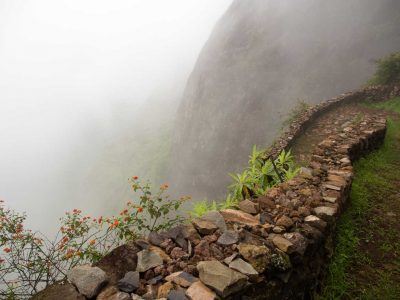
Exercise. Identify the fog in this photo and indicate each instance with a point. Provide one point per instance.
(261, 59)
(76, 78)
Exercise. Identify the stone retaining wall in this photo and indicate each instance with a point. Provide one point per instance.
(302, 122)
(274, 247)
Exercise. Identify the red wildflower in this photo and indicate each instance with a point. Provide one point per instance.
(7, 250)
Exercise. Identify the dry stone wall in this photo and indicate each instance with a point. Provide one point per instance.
(273, 247)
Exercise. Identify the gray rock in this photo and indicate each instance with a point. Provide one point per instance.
(148, 259)
(136, 297)
(178, 235)
(177, 295)
(229, 259)
(222, 279)
(229, 237)
(283, 244)
(243, 267)
(299, 242)
(316, 222)
(157, 238)
(88, 280)
(325, 212)
(130, 282)
(142, 244)
(257, 256)
(181, 278)
(216, 218)
(204, 227)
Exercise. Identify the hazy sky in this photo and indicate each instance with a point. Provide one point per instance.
(67, 67)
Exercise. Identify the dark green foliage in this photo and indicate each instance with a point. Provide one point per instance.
(388, 70)
(261, 175)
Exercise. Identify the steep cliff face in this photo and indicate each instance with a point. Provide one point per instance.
(263, 56)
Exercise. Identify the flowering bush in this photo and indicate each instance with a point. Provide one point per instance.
(29, 261)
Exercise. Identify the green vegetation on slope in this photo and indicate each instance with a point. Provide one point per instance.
(388, 70)
(366, 262)
(261, 175)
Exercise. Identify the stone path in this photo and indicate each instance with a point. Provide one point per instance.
(340, 120)
(274, 246)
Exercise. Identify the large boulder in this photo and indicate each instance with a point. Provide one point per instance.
(88, 280)
(258, 256)
(220, 278)
(130, 282)
(148, 259)
(119, 261)
(60, 290)
(204, 227)
(229, 237)
(216, 218)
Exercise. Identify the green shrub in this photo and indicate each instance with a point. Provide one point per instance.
(254, 181)
(388, 71)
(30, 261)
(261, 174)
(202, 207)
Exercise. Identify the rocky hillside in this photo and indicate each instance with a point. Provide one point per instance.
(263, 56)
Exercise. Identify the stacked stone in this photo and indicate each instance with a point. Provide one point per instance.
(304, 120)
(276, 243)
(273, 247)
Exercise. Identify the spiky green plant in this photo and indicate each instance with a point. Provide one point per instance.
(242, 184)
(261, 175)
(199, 209)
(230, 202)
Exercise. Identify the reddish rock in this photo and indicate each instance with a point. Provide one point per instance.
(266, 203)
(204, 227)
(249, 207)
(283, 244)
(198, 291)
(237, 216)
(178, 253)
(119, 261)
(299, 242)
(202, 249)
(164, 290)
(285, 221)
(182, 279)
